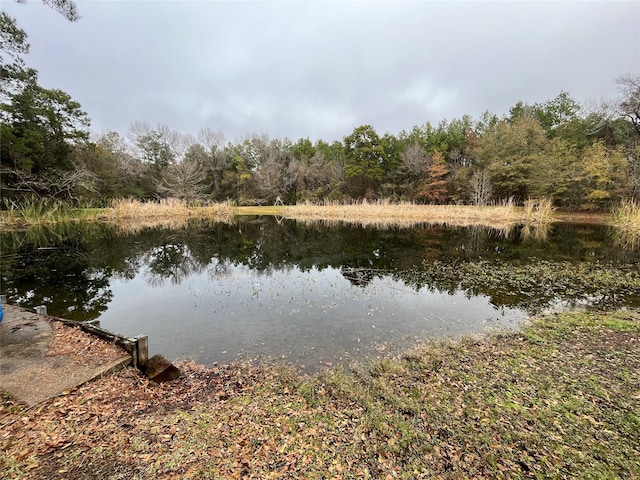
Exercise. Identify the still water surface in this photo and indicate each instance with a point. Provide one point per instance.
(315, 295)
(309, 317)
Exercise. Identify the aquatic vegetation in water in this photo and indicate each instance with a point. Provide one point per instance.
(534, 285)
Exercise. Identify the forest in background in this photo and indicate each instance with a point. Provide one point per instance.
(580, 158)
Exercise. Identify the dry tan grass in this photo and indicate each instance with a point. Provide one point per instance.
(133, 209)
(626, 219)
(171, 212)
(539, 211)
(627, 216)
(384, 213)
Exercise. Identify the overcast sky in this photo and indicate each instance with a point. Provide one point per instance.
(320, 69)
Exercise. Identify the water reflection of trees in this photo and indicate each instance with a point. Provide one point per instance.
(219, 269)
(172, 262)
(74, 276)
(50, 266)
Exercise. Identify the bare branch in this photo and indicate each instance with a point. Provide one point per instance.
(629, 103)
(211, 139)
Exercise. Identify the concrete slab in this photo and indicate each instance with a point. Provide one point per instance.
(31, 372)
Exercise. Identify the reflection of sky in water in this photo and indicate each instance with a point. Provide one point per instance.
(223, 314)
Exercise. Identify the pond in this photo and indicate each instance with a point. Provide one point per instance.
(311, 294)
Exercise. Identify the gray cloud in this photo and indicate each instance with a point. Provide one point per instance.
(319, 69)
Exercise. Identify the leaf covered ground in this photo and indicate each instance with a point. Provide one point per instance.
(559, 399)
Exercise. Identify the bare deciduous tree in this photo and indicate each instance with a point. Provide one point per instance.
(160, 147)
(629, 104)
(480, 188)
(215, 161)
(415, 161)
(120, 151)
(269, 160)
(185, 180)
(211, 139)
(629, 108)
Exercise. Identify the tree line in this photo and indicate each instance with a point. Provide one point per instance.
(580, 158)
